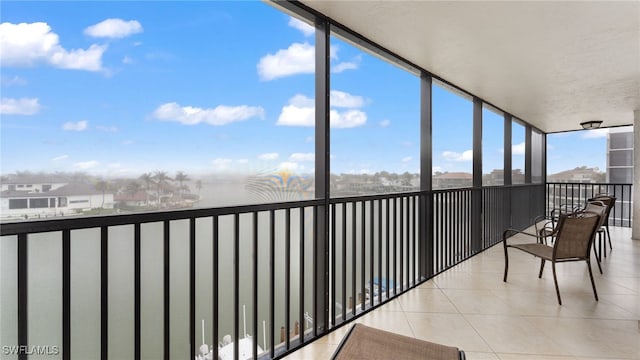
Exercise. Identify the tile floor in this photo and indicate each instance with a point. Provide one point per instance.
(470, 307)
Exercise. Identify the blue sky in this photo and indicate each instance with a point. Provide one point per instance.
(121, 88)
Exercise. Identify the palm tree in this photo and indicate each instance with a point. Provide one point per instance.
(148, 180)
(199, 186)
(181, 178)
(161, 178)
(102, 185)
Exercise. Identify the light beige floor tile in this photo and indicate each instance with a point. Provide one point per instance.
(593, 337)
(313, 351)
(426, 300)
(476, 355)
(395, 322)
(630, 303)
(479, 302)
(533, 357)
(520, 319)
(514, 334)
(447, 329)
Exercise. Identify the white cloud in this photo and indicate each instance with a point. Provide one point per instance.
(342, 99)
(301, 112)
(27, 44)
(595, 133)
(309, 139)
(127, 142)
(60, 158)
(221, 164)
(385, 123)
(268, 156)
(518, 149)
(243, 161)
(407, 159)
(23, 106)
(454, 156)
(86, 165)
(127, 60)
(14, 81)
(436, 169)
(306, 29)
(347, 119)
(299, 157)
(296, 59)
(114, 28)
(347, 65)
(289, 166)
(75, 126)
(220, 115)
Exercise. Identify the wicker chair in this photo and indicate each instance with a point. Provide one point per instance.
(610, 201)
(364, 342)
(573, 241)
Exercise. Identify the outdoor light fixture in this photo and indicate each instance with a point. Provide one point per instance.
(593, 124)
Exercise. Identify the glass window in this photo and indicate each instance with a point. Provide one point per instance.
(18, 203)
(375, 123)
(492, 147)
(536, 157)
(452, 138)
(577, 156)
(195, 104)
(518, 133)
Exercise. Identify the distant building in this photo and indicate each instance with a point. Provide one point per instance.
(620, 169)
(452, 180)
(28, 196)
(580, 174)
(620, 155)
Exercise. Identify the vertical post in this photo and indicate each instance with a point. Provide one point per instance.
(136, 287)
(527, 154)
(426, 165)
(476, 197)
(166, 289)
(322, 172)
(66, 294)
(23, 294)
(104, 293)
(635, 232)
(508, 179)
(192, 287)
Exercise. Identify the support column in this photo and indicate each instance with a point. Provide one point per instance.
(635, 234)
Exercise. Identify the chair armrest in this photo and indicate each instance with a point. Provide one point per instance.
(511, 232)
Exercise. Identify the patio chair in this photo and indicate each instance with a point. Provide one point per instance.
(573, 241)
(603, 230)
(367, 343)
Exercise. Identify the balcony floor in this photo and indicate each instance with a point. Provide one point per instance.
(470, 307)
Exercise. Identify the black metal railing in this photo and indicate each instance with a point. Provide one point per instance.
(272, 276)
(573, 195)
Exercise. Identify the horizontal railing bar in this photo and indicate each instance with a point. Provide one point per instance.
(74, 223)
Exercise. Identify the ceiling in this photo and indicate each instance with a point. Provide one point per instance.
(553, 64)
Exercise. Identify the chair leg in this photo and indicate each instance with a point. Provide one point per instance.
(506, 264)
(608, 236)
(593, 284)
(597, 260)
(555, 281)
(541, 268)
(597, 253)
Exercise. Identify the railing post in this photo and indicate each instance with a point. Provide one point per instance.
(322, 177)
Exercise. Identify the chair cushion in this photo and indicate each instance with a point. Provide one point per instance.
(367, 343)
(536, 249)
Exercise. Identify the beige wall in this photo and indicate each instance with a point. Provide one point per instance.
(636, 176)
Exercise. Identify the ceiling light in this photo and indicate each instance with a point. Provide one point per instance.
(593, 124)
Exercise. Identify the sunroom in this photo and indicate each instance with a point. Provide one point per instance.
(298, 167)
